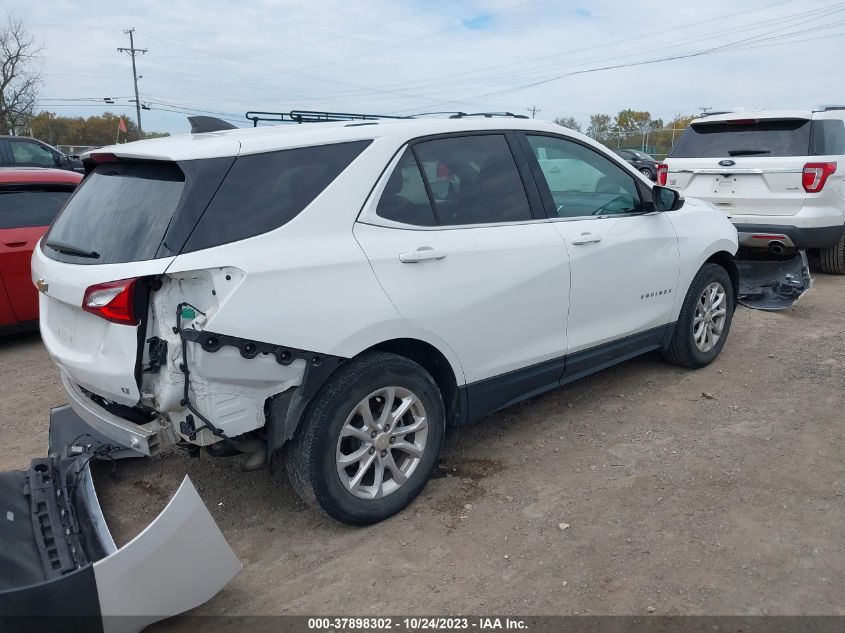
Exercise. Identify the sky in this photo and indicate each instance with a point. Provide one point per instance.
(566, 58)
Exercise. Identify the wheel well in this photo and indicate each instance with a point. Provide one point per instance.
(436, 364)
(728, 262)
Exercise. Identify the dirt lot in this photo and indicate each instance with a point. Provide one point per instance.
(685, 503)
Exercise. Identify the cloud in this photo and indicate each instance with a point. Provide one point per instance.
(420, 55)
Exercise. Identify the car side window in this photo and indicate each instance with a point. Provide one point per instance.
(404, 198)
(473, 180)
(25, 206)
(583, 182)
(28, 153)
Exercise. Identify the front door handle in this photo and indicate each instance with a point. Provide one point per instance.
(14, 244)
(421, 254)
(586, 238)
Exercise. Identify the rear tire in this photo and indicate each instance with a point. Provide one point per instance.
(692, 345)
(348, 458)
(647, 173)
(832, 259)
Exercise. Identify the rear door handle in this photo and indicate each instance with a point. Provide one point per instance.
(586, 238)
(421, 254)
(14, 244)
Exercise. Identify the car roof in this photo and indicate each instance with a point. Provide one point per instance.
(38, 175)
(242, 141)
(744, 115)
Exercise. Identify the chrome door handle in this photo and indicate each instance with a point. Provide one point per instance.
(586, 238)
(420, 255)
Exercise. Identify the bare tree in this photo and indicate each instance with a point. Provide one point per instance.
(568, 121)
(19, 76)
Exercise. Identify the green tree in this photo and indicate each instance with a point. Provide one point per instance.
(600, 127)
(568, 121)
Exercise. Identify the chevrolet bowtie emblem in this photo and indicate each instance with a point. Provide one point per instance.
(41, 285)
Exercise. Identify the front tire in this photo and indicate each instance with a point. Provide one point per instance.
(369, 440)
(832, 259)
(647, 173)
(705, 319)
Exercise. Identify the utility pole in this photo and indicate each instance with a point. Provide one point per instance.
(533, 110)
(134, 51)
(705, 110)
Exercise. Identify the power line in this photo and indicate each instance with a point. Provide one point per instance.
(133, 52)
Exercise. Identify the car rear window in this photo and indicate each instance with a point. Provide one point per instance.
(771, 137)
(120, 212)
(265, 191)
(27, 206)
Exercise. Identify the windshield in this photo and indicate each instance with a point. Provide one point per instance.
(770, 137)
(119, 213)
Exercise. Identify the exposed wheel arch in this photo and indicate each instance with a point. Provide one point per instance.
(436, 364)
(284, 411)
(728, 262)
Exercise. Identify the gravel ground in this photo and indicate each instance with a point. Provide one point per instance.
(729, 503)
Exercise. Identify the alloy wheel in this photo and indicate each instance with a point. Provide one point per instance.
(710, 315)
(381, 443)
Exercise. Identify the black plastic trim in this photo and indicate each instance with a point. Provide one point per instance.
(589, 361)
(820, 237)
(319, 366)
(492, 394)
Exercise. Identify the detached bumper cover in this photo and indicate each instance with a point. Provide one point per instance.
(771, 284)
(58, 559)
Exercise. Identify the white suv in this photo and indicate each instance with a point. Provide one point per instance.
(779, 175)
(343, 291)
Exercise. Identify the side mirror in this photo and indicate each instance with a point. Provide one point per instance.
(666, 199)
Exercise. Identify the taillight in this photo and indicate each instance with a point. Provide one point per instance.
(662, 174)
(102, 157)
(112, 301)
(815, 176)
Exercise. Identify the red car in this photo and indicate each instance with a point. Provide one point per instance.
(29, 200)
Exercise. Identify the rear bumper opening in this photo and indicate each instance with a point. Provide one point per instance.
(58, 559)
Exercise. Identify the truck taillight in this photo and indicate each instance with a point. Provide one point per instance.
(113, 301)
(662, 174)
(815, 176)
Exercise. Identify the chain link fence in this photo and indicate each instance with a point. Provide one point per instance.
(657, 143)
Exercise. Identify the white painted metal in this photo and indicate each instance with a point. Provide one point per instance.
(499, 297)
(624, 276)
(95, 353)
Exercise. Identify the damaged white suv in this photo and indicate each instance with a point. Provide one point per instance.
(342, 291)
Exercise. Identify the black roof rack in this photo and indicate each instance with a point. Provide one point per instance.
(316, 116)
